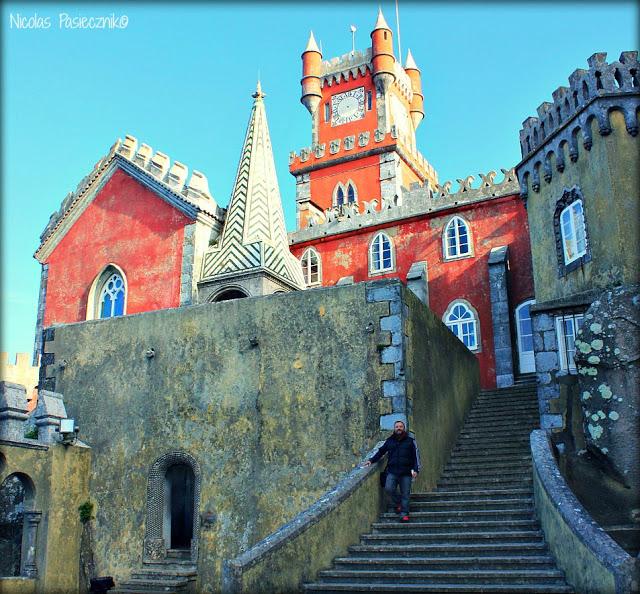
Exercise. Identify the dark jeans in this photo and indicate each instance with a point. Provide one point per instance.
(391, 488)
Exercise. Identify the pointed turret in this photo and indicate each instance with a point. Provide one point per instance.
(253, 252)
(417, 103)
(382, 56)
(311, 68)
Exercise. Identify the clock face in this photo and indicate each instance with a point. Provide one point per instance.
(347, 107)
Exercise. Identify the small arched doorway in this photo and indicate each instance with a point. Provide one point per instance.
(179, 507)
(229, 294)
(524, 330)
(18, 527)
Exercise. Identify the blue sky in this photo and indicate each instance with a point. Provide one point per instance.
(179, 77)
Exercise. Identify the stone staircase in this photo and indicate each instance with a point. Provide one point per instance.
(176, 575)
(476, 532)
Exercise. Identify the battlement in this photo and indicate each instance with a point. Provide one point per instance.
(22, 372)
(341, 67)
(172, 177)
(343, 149)
(415, 201)
(621, 77)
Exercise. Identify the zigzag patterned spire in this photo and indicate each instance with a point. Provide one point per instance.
(254, 234)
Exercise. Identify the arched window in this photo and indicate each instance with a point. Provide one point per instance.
(311, 267)
(339, 196)
(227, 293)
(112, 297)
(456, 239)
(380, 254)
(19, 526)
(351, 194)
(108, 294)
(574, 237)
(462, 320)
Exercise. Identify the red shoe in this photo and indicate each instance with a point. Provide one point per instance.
(404, 519)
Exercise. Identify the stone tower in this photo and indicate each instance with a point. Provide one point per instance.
(365, 108)
(252, 256)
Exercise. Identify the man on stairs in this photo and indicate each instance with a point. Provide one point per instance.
(403, 464)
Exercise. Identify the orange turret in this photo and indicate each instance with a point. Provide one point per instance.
(382, 54)
(311, 69)
(417, 103)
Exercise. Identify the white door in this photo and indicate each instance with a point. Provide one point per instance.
(525, 337)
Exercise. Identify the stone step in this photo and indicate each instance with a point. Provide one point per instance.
(471, 504)
(514, 513)
(482, 482)
(497, 458)
(177, 584)
(521, 549)
(415, 538)
(474, 576)
(441, 588)
(446, 563)
(463, 526)
(514, 474)
(454, 495)
(499, 428)
(490, 450)
(487, 410)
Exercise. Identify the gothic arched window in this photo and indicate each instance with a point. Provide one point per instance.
(311, 269)
(462, 320)
(339, 196)
(112, 296)
(380, 254)
(456, 239)
(351, 193)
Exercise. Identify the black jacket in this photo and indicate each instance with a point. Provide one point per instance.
(402, 455)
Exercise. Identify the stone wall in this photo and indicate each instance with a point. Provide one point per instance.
(275, 398)
(59, 477)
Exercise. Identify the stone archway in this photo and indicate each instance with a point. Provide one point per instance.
(176, 474)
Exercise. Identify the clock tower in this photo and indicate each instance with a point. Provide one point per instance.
(365, 109)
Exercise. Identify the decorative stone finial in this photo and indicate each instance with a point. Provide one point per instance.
(258, 94)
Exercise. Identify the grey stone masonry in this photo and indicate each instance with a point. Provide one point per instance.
(13, 411)
(186, 274)
(500, 316)
(547, 367)
(418, 281)
(42, 300)
(596, 92)
(49, 410)
(394, 353)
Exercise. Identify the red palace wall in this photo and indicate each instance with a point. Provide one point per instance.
(128, 225)
(493, 223)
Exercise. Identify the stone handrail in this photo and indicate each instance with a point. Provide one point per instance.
(297, 550)
(592, 561)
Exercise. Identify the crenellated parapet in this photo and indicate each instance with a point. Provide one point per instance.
(353, 146)
(141, 159)
(415, 201)
(592, 94)
(343, 67)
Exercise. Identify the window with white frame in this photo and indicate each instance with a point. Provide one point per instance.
(112, 296)
(572, 229)
(567, 327)
(311, 267)
(462, 320)
(380, 254)
(456, 239)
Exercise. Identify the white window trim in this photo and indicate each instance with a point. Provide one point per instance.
(445, 246)
(95, 292)
(392, 267)
(565, 364)
(345, 188)
(478, 347)
(307, 253)
(574, 228)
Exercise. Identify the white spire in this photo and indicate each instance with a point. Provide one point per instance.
(312, 46)
(254, 237)
(410, 64)
(381, 23)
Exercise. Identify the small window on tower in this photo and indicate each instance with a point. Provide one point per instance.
(340, 197)
(369, 100)
(327, 112)
(351, 194)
